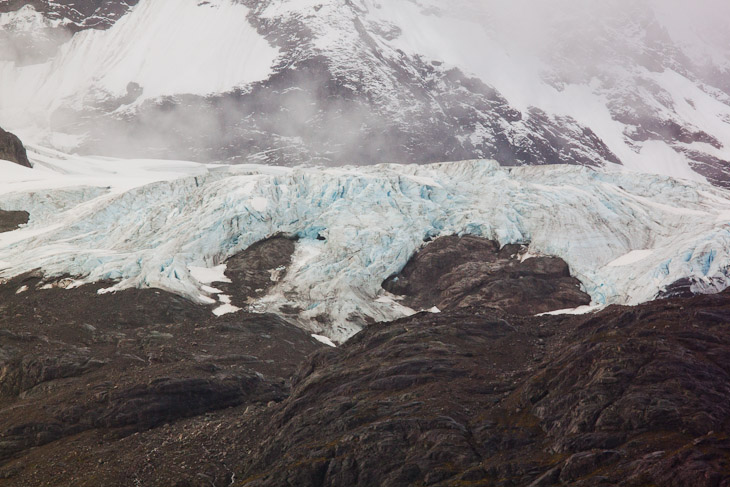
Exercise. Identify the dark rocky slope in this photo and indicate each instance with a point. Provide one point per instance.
(144, 388)
(254, 272)
(11, 149)
(93, 370)
(147, 359)
(629, 396)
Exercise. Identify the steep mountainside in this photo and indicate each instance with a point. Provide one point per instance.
(345, 81)
(79, 14)
(540, 298)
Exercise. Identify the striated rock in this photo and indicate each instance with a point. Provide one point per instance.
(98, 389)
(584, 463)
(23, 373)
(74, 362)
(167, 399)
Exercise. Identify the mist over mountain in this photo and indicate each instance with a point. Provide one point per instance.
(641, 84)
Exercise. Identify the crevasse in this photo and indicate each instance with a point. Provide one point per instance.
(373, 219)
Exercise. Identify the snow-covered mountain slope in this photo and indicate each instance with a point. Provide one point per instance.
(77, 14)
(625, 236)
(643, 84)
(207, 49)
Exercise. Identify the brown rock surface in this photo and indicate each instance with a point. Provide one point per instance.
(11, 220)
(629, 396)
(144, 388)
(456, 272)
(11, 149)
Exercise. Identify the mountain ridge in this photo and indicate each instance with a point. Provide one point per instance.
(363, 82)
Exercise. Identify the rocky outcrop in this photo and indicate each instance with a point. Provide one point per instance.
(457, 272)
(11, 149)
(11, 220)
(324, 117)
(79, 15)
(257, 269)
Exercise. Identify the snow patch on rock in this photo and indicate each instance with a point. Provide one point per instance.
(324, 339)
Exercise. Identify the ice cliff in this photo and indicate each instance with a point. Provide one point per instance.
(626, 236)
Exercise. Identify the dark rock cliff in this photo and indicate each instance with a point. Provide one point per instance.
(11, 149)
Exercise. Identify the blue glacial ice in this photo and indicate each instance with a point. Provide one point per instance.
(625, 236)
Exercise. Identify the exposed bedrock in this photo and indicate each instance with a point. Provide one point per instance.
(11, 149)
(456, 272)
(75, 361)
(629, 396)
(11, 220)
(257, 269)
(144, 385)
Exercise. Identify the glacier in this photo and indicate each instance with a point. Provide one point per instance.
(626, 236)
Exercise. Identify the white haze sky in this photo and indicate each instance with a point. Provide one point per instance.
(532, 22)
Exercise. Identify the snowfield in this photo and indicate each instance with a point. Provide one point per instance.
(626, 236)
(165, 47)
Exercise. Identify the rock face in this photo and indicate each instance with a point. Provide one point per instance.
(77, 15)
(98, 389)
(77, 364)
(256, 270)
(458, 272)
(322, 116)
(11, 149)
(11, 220)
(474, 397)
